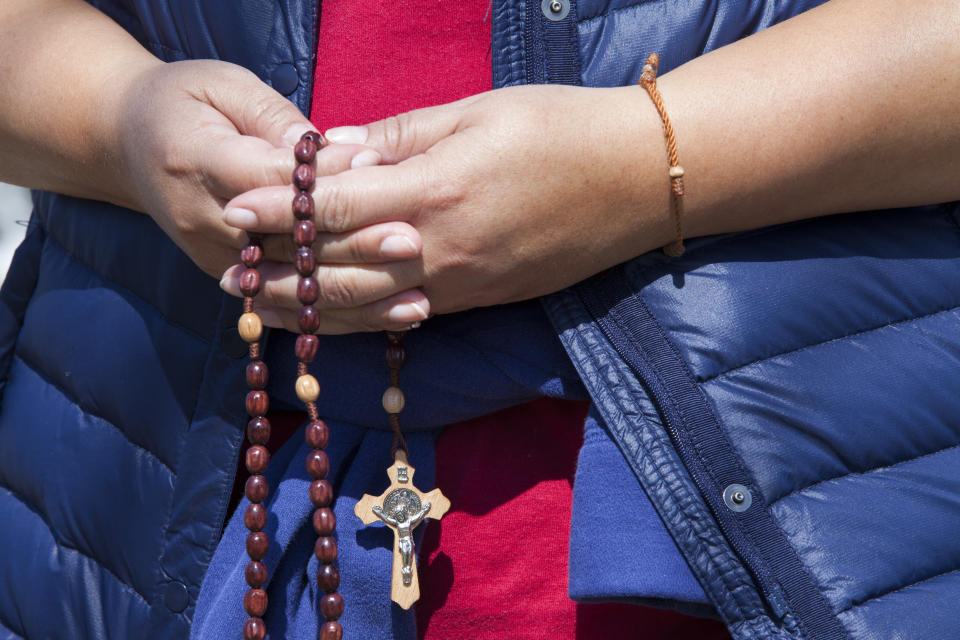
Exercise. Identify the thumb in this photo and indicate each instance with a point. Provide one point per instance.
(255, 109)
(407, 134)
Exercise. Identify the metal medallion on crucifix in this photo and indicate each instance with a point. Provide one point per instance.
(402, 507)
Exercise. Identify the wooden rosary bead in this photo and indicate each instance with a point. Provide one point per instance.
(252, 254)
(309, 319)
(258, 430)
(303, 206)
(257, 459)
(325, 549)
(303, 177)
(396, 355)
(305, 232)
(256, 574)
(317, 434)
(331, 631)
(256, 489)
(257, 403)
(255, 602)
(328, 578)
(305, 260)
(255, 517)
(257, 374)
(308, 389)
(250, 327)
(314, 137)
(257, 545)
(324, 522)
(308, 290)
(318, 464)
(306, 347)
(321, 493)
(254, 629)
(331, 605)
(305, 151)
(393, 400)
(250, 282)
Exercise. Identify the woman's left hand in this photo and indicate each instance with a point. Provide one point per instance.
(516, 193)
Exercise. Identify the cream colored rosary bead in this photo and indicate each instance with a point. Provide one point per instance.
(250, 327)
(676, 171)
(308, 389)
(393, 400)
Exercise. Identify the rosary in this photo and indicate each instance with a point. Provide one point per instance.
(402, 506)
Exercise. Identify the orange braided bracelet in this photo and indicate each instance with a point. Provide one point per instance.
(648, 80)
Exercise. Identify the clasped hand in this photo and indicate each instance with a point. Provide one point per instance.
(500, 197)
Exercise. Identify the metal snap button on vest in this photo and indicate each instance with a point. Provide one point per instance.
(285, 79)
(175, 597)
(555, 9)
(737, 497)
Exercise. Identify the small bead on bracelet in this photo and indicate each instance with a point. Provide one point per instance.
(648, 80)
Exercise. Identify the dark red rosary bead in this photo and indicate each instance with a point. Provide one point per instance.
(306, 350)
(257, 459)
(252, 255)
(314, 137)
(257, 374)
(257, 545)
(396, 355)
(254, 629)
(303, 177)
(255, 602)
(321, 493)
(305, 233)
(255, 517)
(257, 403)
(308, 290)
(328, 578)
(303, 206)
(331, 631)
(256, 489)
(256, 574)
(324, 522)
(331, 605)
(305, 260)
(325, 549)
(250, 282)
(305, 151)
(258, 430)
(318, 464)
(309, 319)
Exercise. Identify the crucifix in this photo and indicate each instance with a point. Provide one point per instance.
(402, 507)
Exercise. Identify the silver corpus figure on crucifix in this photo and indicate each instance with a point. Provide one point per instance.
(406, 511)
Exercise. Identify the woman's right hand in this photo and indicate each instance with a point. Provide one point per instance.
(195, 134)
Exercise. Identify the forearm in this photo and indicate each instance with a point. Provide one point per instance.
(64, 68)
(854, 105)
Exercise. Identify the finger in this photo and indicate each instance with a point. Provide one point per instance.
(405, 135)
(338, 287)
(242, 163)
(256, 109)
(347, 201)
(386, 242)
(395, 313)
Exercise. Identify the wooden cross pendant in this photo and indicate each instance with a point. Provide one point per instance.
(402, 507)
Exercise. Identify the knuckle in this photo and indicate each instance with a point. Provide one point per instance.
(336, 290)
(333, 210)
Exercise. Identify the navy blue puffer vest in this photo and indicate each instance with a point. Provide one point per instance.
(788, 398)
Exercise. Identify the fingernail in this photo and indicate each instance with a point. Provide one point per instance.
(398, 247)
(242, 218)
(230, 284)
(292, 136)
(347, 135)
(269, 317)
(367, 158)
(406, 313)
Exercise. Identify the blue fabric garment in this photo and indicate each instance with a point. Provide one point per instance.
(816, 363)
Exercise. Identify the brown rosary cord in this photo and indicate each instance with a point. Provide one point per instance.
(648, 80)
(393, 399)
